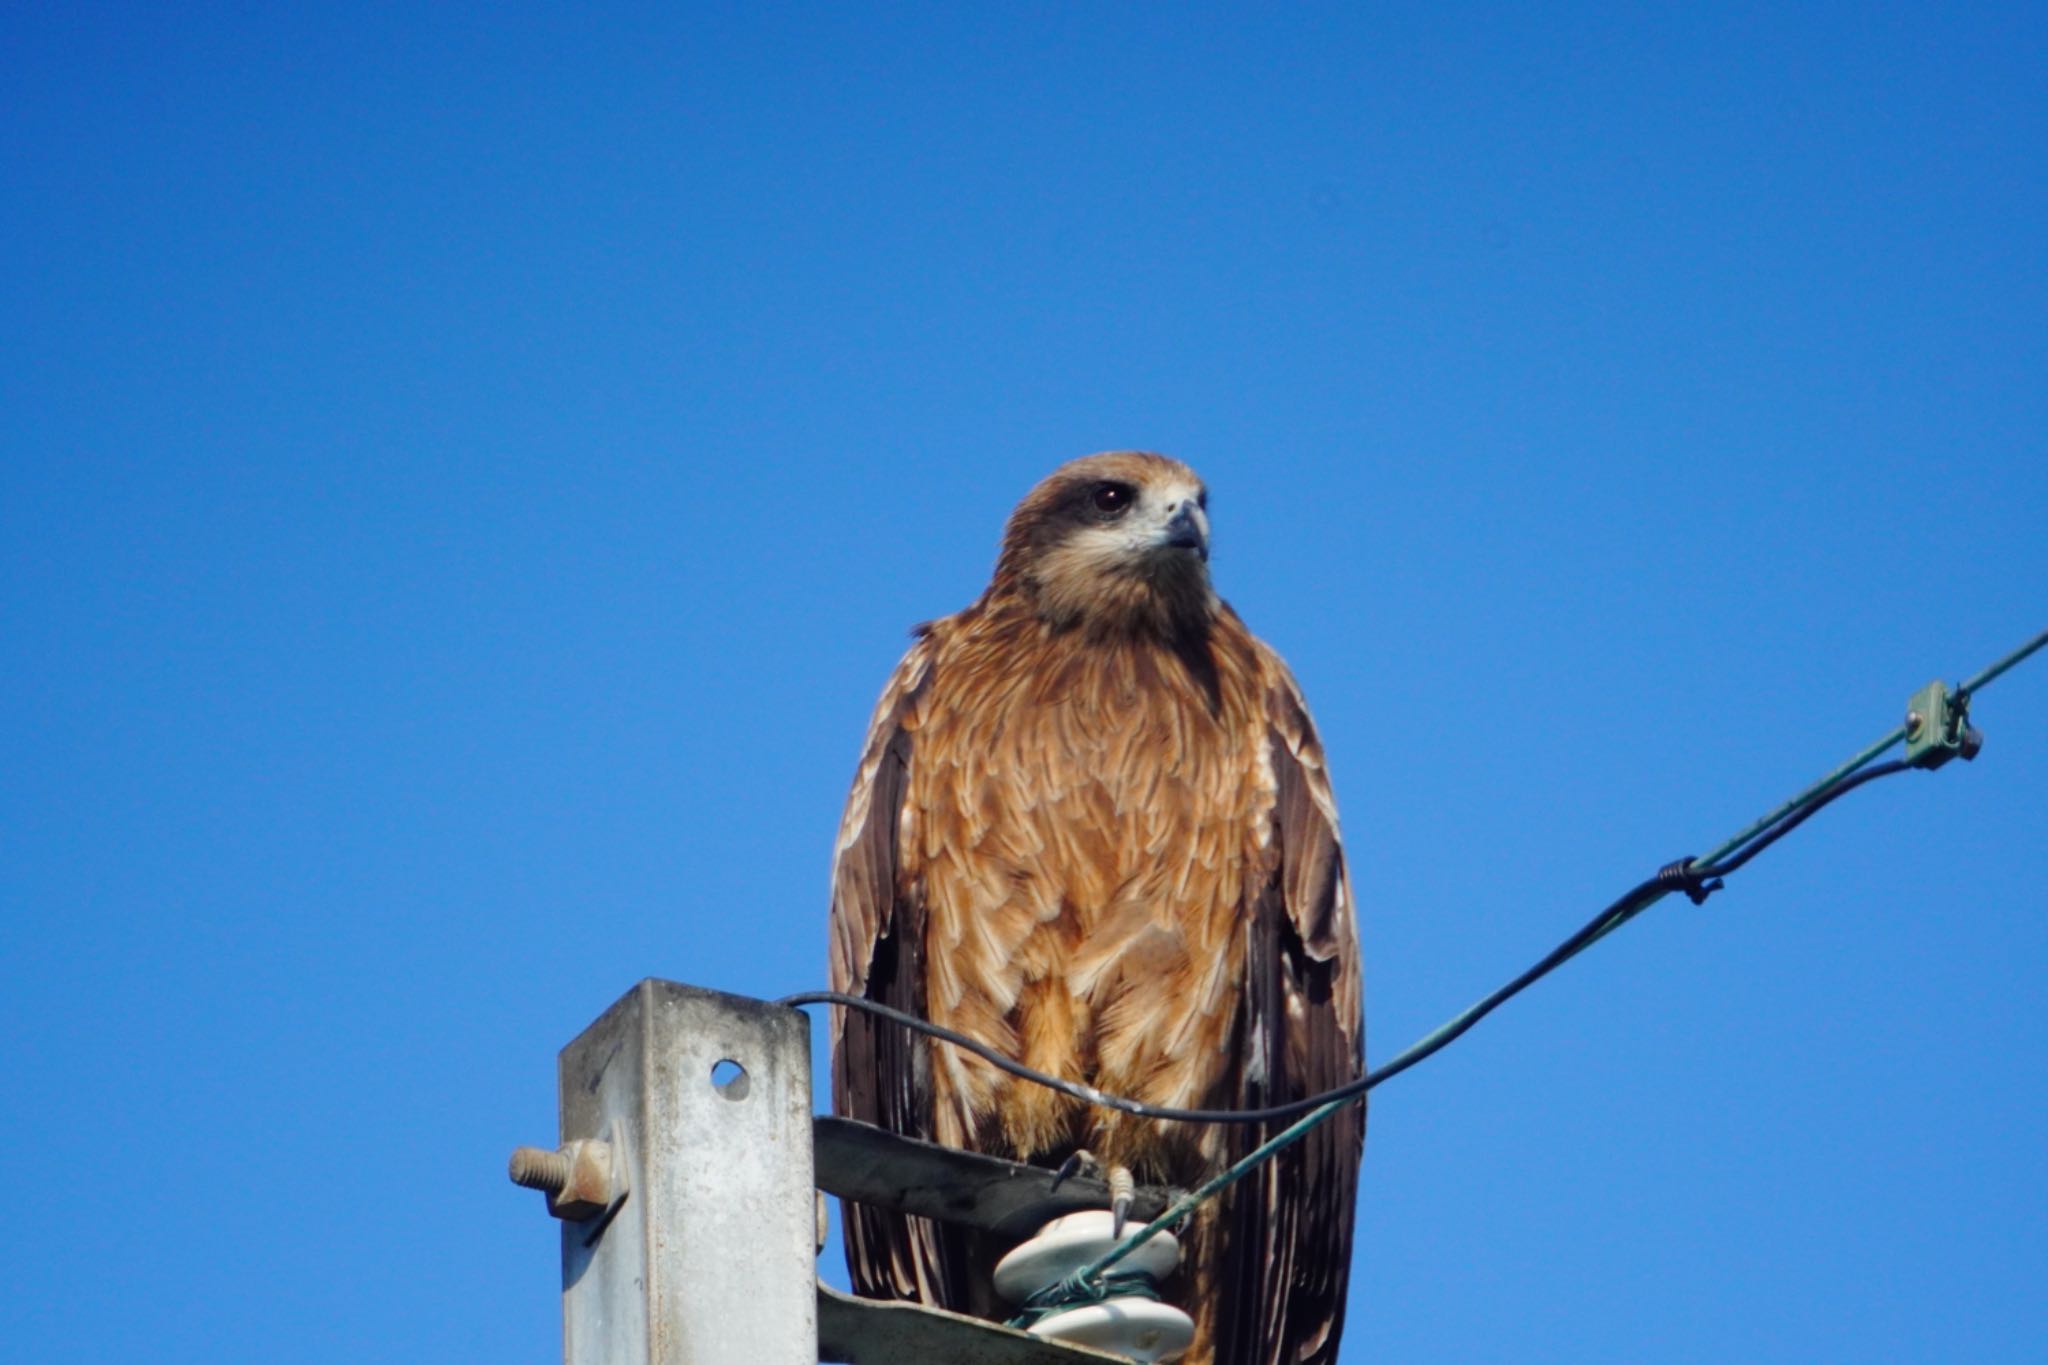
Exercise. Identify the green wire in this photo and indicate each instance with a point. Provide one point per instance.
(1984, 679)
(1083, 1285)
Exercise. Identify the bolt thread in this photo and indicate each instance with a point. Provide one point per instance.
(536, 1168)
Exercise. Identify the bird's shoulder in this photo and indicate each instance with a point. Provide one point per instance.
(885, 724)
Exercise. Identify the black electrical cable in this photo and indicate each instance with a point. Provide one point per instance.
(1770, 836)
(1685, 875)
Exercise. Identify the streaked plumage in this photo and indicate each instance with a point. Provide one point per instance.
(1091, 827)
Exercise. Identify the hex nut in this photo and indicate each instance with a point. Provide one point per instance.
(577, 1178)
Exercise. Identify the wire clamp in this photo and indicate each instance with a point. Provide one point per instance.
(1938, 727)
(1679, 876)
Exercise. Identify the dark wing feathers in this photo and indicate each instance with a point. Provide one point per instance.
(1312, 863)
(878, 1072)
(1287, 1249)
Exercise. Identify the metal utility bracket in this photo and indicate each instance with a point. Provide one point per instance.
(870, 1165)
(710, 1258)
(1938, 727)
(689, 1202)
(870, 1332)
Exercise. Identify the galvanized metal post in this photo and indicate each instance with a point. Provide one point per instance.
(710, 1257)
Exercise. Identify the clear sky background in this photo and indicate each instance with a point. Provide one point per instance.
(468, 471)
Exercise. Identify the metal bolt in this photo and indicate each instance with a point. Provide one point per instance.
(1914, 720)
(579, 1179)
(536, 1168)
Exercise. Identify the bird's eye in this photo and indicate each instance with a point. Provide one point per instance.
(1112, 499)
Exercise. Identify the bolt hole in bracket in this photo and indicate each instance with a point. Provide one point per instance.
(730, 1079)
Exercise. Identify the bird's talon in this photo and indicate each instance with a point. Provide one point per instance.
(1123, 1188)
(1082, 1162)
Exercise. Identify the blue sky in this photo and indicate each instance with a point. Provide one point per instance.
(469, 470)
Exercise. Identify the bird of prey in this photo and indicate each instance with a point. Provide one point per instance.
(1091, 828)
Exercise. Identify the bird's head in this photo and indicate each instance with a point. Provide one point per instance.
(1116, 543)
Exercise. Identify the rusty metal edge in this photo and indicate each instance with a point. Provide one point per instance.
(870, 1165)
(872, 1332)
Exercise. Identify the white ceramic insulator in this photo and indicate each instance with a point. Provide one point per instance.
(1143, 1329)
(1128, 1325)
(1067, 1243)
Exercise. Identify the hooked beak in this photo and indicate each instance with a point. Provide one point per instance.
(1185, 530)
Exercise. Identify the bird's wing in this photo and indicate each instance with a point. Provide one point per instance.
(1288, 1246)
(880, 1074)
